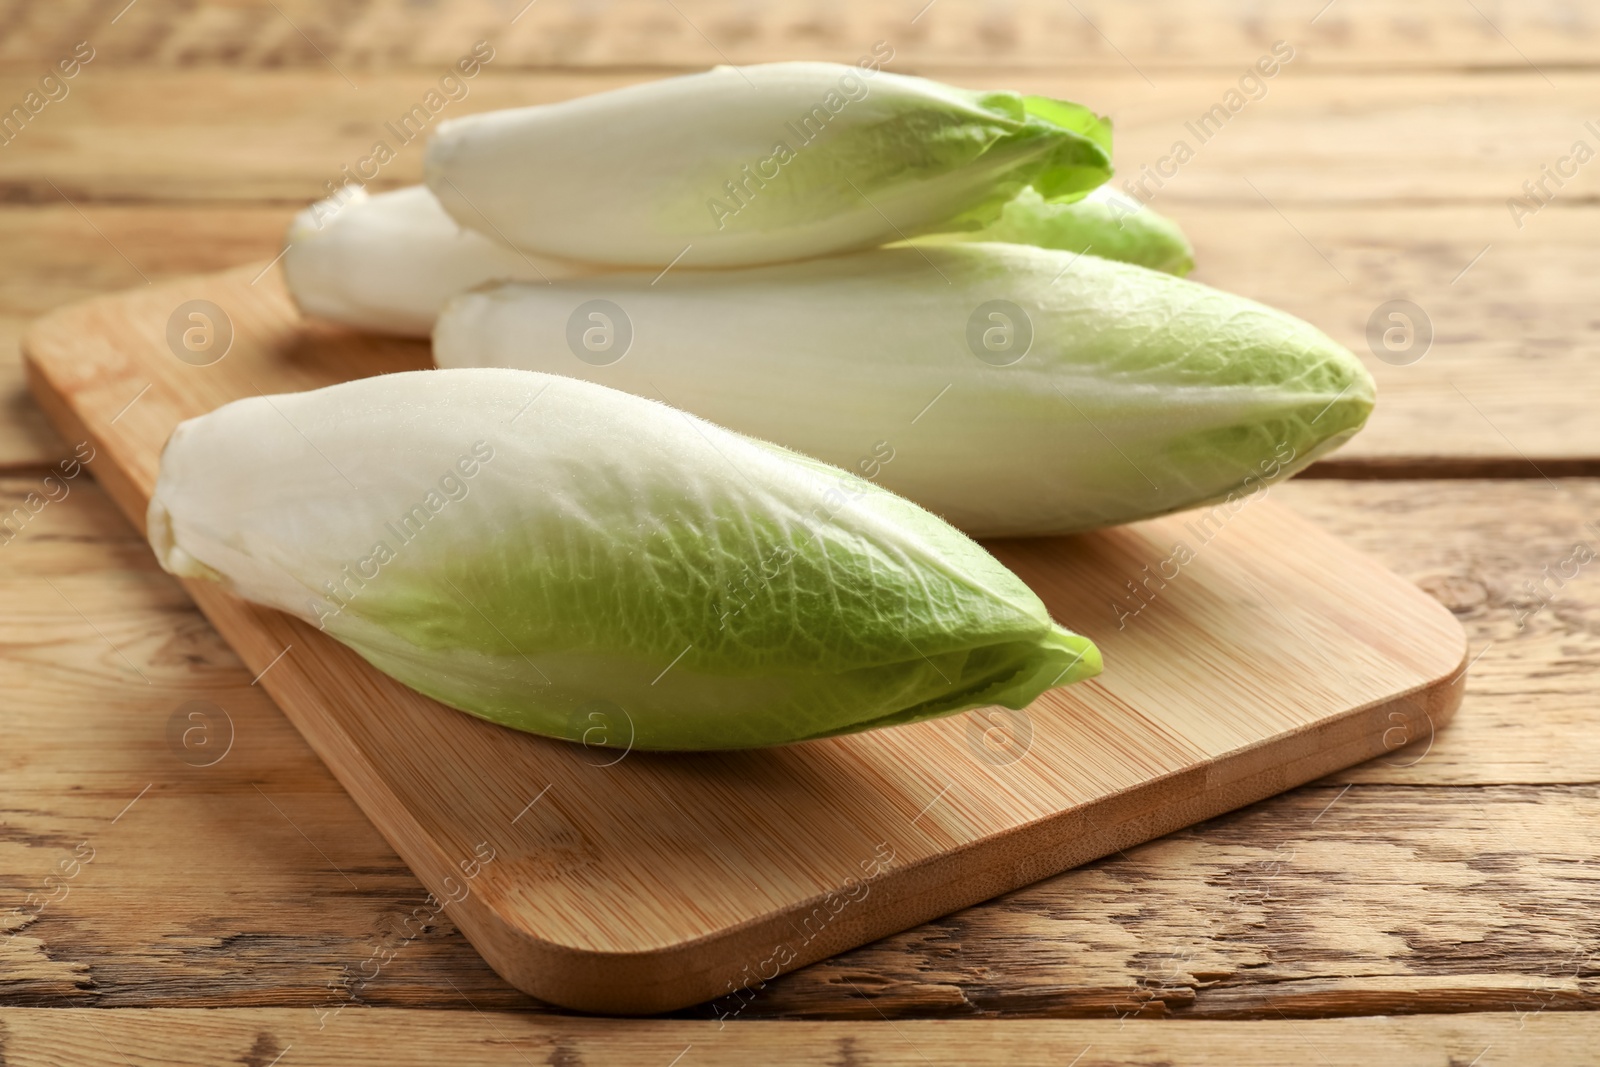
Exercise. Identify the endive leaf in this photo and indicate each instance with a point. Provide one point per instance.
(1070, 182)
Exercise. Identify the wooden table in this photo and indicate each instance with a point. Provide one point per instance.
(1439, 906)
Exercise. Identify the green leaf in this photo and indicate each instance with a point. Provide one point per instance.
(1074, 170)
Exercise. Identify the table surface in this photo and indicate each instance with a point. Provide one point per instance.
(1441, 905)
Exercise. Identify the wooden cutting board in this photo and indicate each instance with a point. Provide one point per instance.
(1273, 656)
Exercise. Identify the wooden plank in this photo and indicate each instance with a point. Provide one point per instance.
(698, 871)
(1314, 139)
(219, 886)
(1379, 900)
(178, 1038)
(1151, 37)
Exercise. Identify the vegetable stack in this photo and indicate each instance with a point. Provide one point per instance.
(838, 297)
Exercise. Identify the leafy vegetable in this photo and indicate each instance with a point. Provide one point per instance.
(760, 164)
(1106, 223)
(577, 562)
(1013, 390)
(389, 262)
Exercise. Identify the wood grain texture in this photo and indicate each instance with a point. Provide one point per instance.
(1150, 36)
(695, 876)
(1446, 878)
(179, 1038)
(219, 899)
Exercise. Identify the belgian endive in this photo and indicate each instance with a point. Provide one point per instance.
(1011, 390)
(390, 261)
(759, 164)
(577, 562)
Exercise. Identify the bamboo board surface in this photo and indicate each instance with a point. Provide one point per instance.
(1275, 657)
